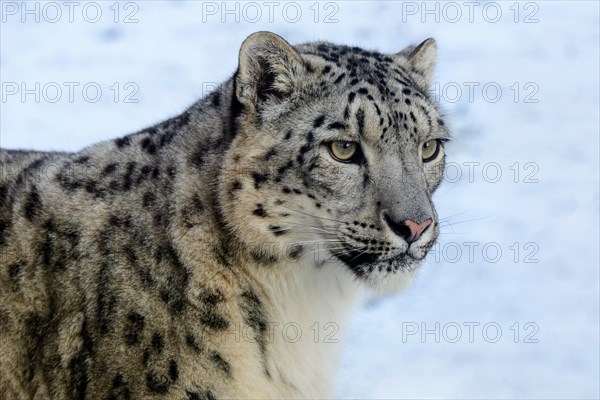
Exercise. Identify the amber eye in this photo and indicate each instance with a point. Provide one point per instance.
(343, 151)
(430, 150)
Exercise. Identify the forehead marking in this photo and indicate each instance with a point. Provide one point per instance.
(360, 121)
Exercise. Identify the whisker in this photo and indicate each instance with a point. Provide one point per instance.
(359, 254)
(324, 226)
(449, 217)
(315, 216)
(309, 226)
(452, 233)
(465, 221)
(317, 241)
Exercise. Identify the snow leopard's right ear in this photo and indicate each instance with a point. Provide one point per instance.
(421, 60)
(268, 69)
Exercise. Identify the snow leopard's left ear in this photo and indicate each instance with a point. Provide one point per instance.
(268, 69)
(421, 60)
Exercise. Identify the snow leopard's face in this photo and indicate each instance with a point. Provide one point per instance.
(338, 153)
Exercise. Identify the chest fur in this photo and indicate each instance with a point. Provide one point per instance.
(307, 306)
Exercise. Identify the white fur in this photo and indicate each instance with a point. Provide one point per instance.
(308, 292)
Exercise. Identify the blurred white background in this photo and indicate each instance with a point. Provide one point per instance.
(507, 305)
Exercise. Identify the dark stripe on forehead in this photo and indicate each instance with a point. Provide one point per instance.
(336, 125)
(319, 121)
(360, 121)
(339, 79)
(429, 121)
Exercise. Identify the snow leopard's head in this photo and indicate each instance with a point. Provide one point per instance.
(337, 153)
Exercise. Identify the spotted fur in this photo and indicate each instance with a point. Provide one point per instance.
(172, 262)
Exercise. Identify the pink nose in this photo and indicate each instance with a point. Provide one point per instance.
(408, 229)
(416, 229)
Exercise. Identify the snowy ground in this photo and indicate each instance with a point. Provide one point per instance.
(541, 133)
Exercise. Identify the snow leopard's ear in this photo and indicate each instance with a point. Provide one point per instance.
(421, 60)
(268, 69)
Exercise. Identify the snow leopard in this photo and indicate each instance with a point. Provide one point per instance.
(218, 254)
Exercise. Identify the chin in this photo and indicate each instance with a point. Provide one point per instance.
(383, 276)
(389, 283)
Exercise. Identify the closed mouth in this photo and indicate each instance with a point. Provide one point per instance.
(363, 263)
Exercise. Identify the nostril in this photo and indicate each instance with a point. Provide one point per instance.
(399, 229)
(408, 230)
(416, 229)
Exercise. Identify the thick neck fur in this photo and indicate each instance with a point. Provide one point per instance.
(306, 301)
(309, 306)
